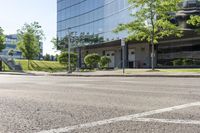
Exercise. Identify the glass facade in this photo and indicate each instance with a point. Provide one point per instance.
(11, 43)
(192, 4)
(91, 21)
(186, 51)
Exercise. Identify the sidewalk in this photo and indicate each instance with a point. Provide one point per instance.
(112, 73)
(25, 73)
(13, 73)
(135, 73)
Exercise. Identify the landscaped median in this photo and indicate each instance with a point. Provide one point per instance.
(46, 66)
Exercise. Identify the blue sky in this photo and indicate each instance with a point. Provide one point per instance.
(14, 13)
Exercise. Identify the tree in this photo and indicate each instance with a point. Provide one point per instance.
(33, 28)
(2, 45)
(29, 46)
(151, 22)
(47, 57)
(56, 57)
(30, 36)
(2, 40)
(54, 41)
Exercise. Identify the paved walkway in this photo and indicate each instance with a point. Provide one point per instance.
(138, 73)
(128, 73)
(112, 73)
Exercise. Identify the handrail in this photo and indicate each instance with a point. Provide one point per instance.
(9, 62)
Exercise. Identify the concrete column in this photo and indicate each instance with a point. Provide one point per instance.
(79, 61)
(156, 56)
(126, 56)
(149, 55)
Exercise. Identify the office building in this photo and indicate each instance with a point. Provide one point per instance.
(90, 25)
(11, 44)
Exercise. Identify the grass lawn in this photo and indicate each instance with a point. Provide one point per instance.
(196, 70)
(5, 67)
(132, 71)
(47, 66)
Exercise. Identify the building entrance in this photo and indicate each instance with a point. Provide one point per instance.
(131, 58)
(111, 55)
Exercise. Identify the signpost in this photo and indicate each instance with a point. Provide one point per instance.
(123, 43)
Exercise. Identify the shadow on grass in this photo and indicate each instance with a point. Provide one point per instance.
(45, 67)
(35, 66)
(153, 70)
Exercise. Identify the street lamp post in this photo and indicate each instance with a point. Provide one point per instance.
(69, 51)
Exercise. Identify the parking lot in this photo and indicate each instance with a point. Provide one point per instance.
(47, 104)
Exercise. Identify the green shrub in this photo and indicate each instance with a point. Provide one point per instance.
(188, 62)
(104, 62)
(197, 62)
(178, 62)
(92, 60)
(11, 52)
(63, 59)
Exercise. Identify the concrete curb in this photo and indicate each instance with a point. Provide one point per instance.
(12, 73)
(170, 76)
(19, 73)
(103, 75)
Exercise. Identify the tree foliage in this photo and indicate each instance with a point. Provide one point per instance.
(2, 40)
(29, 46)
(77, 40)
(47, 57)
(29, 37)
(151, 21)
(33, 28)
(11, 52)
(54, 41)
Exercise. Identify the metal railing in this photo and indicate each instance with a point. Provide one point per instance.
(10, 63)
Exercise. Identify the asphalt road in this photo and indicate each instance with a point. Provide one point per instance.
(31, 104)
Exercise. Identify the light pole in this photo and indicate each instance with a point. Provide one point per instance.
(69, 51)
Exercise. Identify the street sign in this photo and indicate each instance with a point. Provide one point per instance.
(153, 54)
(123, 43)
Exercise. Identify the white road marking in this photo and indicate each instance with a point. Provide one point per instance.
(173, 121)
(134, 117)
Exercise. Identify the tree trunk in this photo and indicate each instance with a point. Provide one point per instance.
(28, 64)
(1, 64)
(152, 35)
(152, 56)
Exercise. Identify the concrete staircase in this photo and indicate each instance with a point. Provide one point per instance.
(11, 63)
